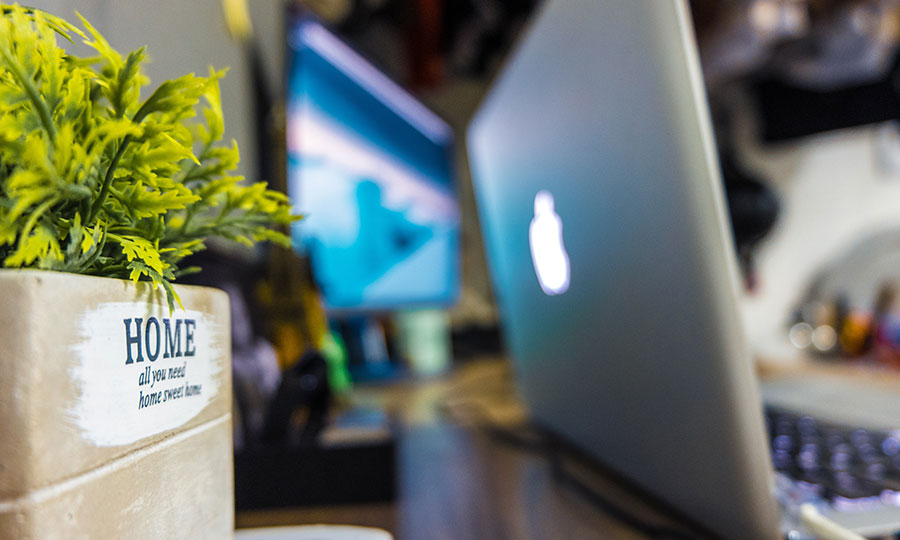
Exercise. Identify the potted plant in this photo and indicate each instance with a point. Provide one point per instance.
(115, 382)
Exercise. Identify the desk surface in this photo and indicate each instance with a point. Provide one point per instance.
(457, 483)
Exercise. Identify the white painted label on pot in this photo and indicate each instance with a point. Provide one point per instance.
(143, 371)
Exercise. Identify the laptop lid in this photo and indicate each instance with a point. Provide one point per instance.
(604, 220)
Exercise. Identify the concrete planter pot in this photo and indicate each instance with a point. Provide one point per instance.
(115, 415)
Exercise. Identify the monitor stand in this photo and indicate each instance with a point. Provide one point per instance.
(369, 352)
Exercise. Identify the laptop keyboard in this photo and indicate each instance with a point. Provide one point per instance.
(841, 464)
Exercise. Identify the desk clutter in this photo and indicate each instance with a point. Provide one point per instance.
(832, 328)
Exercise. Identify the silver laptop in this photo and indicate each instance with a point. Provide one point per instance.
(604, 220)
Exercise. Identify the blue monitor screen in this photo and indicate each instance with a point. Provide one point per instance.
(372, 170)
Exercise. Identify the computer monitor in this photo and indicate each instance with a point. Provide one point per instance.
(371, 168)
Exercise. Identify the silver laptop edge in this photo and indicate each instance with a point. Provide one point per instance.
(642, 360)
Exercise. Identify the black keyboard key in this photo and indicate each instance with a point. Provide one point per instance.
(845, 484)
(860, 437)
(868, 453)
(841, 458)
(890, 445)
(782, 461)
(783, 443)
(808, 427)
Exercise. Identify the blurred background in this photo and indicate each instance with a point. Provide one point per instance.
(358, 110)
(803, 94)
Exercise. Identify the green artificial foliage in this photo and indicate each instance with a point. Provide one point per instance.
(96, 179)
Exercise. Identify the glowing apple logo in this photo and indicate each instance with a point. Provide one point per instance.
(551, 262)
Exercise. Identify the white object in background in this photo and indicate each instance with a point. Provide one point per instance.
(425, 340)
(888, 148)
(313, 532)
(824, 527)
(548, 252)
